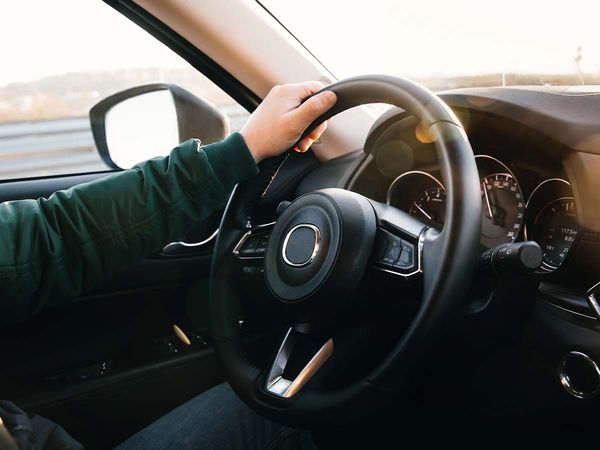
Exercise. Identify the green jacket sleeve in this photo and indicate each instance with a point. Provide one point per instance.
(57, 248)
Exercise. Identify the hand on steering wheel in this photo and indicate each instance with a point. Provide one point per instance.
(279, 121)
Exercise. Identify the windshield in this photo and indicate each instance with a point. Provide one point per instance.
(446, 44)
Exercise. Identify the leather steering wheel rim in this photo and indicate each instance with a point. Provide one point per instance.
(449, 259)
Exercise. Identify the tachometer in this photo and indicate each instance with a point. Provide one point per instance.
(503, 209)
(555, 229)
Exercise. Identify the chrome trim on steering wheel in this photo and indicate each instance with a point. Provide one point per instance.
(283, 387)
(245, 236)
(315, 250)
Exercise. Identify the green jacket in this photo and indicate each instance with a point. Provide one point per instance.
(57, 248)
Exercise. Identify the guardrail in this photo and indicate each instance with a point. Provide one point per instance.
(29, 149)
(54, 147)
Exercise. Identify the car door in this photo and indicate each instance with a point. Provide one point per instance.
(108, 363)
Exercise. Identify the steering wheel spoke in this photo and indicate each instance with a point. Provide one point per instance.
(300, 355)
(252, 246)
(399, 242)
(398, 256)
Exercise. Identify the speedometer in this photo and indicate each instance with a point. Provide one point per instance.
(555, 229)
(423, 196)
(503, 209)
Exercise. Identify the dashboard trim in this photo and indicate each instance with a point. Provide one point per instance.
(592, 300)
(388, 195)
(496, 160)
(569, 315)
(535, 189)
(545, 266)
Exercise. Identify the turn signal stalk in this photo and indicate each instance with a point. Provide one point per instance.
(517, 258)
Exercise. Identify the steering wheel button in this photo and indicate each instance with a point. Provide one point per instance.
(407, 257)
(393, 252)
(253, 270)
(262, 243)
(249, 246)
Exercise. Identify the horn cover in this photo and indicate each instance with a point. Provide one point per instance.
(319, 248)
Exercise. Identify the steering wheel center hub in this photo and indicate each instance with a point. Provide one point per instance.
(319, 248)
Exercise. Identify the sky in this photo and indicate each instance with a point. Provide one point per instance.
(49, 37)
(428, 37)
(419, 38)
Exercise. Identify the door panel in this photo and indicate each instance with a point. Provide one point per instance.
(91, 363)
(99, 413)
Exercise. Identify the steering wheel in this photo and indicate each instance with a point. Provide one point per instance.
(321, 247)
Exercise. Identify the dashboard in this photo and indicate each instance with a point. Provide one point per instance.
(529, 146)
(548, 215)
(538, 156)
(537, 152)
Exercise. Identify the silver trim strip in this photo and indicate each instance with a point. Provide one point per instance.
(592, 300)
(180, 244)
(576, 315)
(315, 247)
(390, 190)
(246, 235)
(566, 382)
(549, 268)
(282, 387)
(496, 160)
(535, 189)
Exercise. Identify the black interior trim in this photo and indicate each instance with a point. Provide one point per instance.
(44, 187)
(58, 397)
(87, 408)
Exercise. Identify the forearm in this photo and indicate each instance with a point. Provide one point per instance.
(57, 248)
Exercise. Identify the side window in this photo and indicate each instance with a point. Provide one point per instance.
(54, 71)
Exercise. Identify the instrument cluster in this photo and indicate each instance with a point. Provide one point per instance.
(548, 216)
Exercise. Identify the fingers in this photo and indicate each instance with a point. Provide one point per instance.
(317, 132)
(309, 88)
(297, 92)
(313, 108)
(305, 143)
(301, 90)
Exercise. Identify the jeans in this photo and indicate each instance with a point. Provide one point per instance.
(217, 419)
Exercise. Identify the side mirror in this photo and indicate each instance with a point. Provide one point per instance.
(148, 121)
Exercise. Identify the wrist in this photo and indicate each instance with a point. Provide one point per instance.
(252, 145)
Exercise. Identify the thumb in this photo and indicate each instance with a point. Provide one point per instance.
(312, 108)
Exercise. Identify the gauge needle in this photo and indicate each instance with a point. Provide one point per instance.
(423, 211)
(487, 201)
